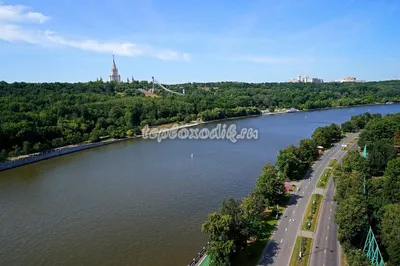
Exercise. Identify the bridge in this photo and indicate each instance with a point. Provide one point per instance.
(164, 88)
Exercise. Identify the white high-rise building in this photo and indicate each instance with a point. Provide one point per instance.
(114, 72)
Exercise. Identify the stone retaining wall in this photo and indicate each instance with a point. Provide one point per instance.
(54, 153)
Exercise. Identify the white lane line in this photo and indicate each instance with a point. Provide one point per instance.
(328, 227)
(331, 209)
(326, 238)
(281, 240)
(329, 217)
(290, 220)
(293, 211)
(285, 229)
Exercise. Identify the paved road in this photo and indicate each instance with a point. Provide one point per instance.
(279, 249)
(326, 248)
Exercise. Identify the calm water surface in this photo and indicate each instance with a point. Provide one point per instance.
(139, 202)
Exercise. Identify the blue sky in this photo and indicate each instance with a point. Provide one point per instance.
(199, 40)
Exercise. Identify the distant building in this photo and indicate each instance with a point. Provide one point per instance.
(351, 79)
(114, 72)
(316, 80)
(305, 79)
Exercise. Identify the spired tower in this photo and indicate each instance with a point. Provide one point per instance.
(114, 72)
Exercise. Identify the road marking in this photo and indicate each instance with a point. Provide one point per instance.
(293, 211)
(326, 238)
(290, 220)
(285, 229)
(325, 251)
(331, 209)
(328, 227)
(281, 240)
(297, 204)
(329, 217)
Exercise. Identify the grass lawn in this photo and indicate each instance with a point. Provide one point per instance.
(312, 213)
(324, 179)
(306, 248)
(332, 163)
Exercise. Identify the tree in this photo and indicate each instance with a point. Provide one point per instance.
(353, 162)
(308, 150)
(320, 137)
(26, 147)
(379, 153)
(288, 163)
(238, 227)
(347, 185)
(392, 181)
(391, 232)
(254, 206)
(221, 245)
(253, 211)
(270, 185)
(376, 202)
(356, 257)
(3, 156)
(351, 217)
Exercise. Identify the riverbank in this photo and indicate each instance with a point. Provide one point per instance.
(39, 156)
(36, 157)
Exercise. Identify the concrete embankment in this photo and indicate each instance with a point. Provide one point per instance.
(54, 153)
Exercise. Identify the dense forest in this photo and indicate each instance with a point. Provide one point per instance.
(40, 116)
(379, 205)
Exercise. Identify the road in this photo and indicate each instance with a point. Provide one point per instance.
(326, 247)
(279, 249)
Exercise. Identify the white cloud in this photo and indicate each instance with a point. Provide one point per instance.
(12, 30)
(19, 13)
(122, 49)
(14, 33)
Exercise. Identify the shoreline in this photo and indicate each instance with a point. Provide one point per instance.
(36, 157)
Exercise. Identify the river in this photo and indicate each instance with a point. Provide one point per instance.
(140, 202)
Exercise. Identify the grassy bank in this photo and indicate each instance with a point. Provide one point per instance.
(324, 179)
(305, 248)
(310, 219)
(332, 163)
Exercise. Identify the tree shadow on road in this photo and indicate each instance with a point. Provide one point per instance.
(269, 253)
(294, 199)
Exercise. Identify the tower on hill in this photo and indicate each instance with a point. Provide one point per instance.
(114, 72)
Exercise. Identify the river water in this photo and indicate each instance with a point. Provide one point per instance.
(140, 202)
